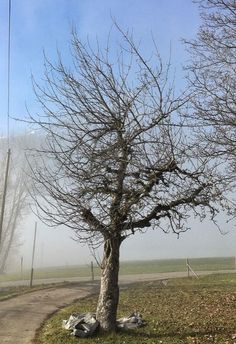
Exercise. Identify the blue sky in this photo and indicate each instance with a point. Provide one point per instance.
(39, 25)
(45, 25)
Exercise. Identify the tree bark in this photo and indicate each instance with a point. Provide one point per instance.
(109, 291)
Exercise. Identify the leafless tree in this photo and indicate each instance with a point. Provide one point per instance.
(116, 157)
(17, 198)
(212, 77)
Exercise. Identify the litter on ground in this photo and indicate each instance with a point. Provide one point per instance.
(85, 324)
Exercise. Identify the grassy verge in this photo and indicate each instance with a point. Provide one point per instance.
(185, 311)
(6, 293)
(9, 292)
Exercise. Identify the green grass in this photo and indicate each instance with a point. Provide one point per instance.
(128, 268)
(175, 265)
(185, 311)
(52, 272)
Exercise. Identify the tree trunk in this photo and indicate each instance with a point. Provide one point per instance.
(109, 291)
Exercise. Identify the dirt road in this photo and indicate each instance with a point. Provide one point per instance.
(21, 316)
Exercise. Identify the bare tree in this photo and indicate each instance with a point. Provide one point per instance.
(212, 76)
(116, 157)
(17, 198)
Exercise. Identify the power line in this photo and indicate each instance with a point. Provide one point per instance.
(8, 72)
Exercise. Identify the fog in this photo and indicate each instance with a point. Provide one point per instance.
(55, 246)
(47, 26)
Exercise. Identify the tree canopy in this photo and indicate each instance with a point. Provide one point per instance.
(212, 73)
(118, 157)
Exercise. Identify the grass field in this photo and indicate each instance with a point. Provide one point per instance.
(186, 311)
(129, 268)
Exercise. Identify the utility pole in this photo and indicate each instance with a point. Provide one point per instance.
(8, 124)
(21, 267)
(32, 264)
(92, 272)
(4, 194)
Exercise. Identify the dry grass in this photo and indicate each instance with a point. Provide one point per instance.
(185, 311)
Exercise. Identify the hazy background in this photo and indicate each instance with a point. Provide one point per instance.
(39, 25)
